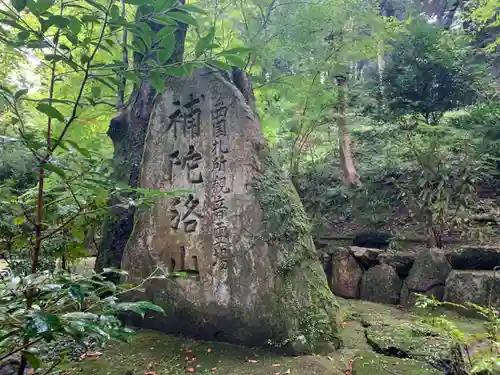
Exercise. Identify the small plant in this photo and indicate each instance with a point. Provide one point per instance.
(63, 306)
(481, 350)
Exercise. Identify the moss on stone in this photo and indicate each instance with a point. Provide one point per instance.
(369, 363)
(409, 339)
(303, 290)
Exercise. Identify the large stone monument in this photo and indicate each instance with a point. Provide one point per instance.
(240, 233)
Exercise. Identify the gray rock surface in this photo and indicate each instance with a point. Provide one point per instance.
(366, 256)
(381, 284)
(401, 262)
(346, 274)
(427, 276)
(474, 257)
(472, 286)
(240, 233)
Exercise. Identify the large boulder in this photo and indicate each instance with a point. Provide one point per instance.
(472, 286)
(474, 257)
(366, 256)
(401, 262)
(239, 237)
(381, 284)
(427, 276)
(346, 274)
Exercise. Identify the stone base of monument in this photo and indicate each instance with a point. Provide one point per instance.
(240, 232)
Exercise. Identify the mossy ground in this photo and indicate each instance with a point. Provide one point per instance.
(165, 355)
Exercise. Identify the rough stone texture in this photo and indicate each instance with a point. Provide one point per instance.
(405, 339)
(346, 274)
(409, 298)
(369, 363)
(472, 286)
(428, 275)
(241, 233)
(128, 131)
(474, 257)
(401, 262)
(381, 284)
(367, 257)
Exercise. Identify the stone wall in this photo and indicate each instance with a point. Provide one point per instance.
(464, 274)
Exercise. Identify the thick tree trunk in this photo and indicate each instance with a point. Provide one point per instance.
(128, 132)
(349, 174)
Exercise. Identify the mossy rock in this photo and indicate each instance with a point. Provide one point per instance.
(369, 363)
(406, 339)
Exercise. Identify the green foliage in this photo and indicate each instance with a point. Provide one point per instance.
(481, 360)
(429, 72)
(67, 306)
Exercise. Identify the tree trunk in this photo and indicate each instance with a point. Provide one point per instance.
(128, 132)
(349, 173)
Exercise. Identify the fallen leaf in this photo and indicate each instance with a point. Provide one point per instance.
(276, 365)
(252, 361)
(287, 371)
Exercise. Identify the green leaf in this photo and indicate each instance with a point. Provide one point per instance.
(81, 150)
(237, 50)
(96, 5)
(163, 5)
(220, 65)
(130, 306)
(157, 80)
(42, 324)
(146, 305)
(96, 92)
(136, 2)
(192, 9)
(165, 20)
(20, 93)
(84, 59)
(52, 57)
(53, 168)
(23, 35)
(75, 291)
(59, 21)
(165, 32)
(131, 76)
(32, 359)
(43, 5)
(75, 25)
(80, 315)
(12, 23)
(19, 5)
(114, 12)
(184, 18)
(50, 111)
(204, 42)
(138, 45)
(37, 44)
(166, 48)
(89, 18)
(19, 220)
(176, 71)
(235, 60)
